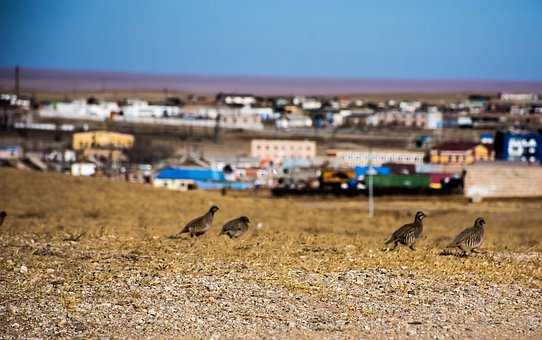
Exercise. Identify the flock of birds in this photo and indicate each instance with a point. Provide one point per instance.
(469, 240)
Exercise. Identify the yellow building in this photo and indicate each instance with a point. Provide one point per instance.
(461, 153)
(102, 139)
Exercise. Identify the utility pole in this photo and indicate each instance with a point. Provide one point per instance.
(217, 128)
(370, 172)
(17, 81)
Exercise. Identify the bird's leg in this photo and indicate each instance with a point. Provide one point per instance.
(394, 245)
(412, 246)
(475, 250)
(465, 251)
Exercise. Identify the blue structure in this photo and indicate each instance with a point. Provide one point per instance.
(361, 171)
(204, 178)
(196, 174)
(380, 170)
(487, 138)
(518, 147)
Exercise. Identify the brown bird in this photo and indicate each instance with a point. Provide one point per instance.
(200, 225)
(3, 215)
(409, 233)
(471, 238)
(235, 227)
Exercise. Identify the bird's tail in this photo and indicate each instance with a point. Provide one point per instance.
(391, 239)
(454, 243)
(177, 235)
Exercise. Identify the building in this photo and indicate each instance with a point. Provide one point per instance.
(519, 97)
(518, 147)
(406, 106)
(461, 153)
(80, 109)
(502, 179)
(187, 178)
(102, 139)
(11, 152)
(434, 120)
(140, 108)
(245, 118)
(236, 99)
(293, 121)
(377, 157)
(83, 169)
(278, 150)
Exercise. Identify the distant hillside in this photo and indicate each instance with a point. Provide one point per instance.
(61, 80)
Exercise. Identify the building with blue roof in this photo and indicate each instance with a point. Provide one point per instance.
(188, 178)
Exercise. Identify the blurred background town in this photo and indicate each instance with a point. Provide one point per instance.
(250, 125)
(473, 144)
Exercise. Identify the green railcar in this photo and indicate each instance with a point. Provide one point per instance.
(402, 182)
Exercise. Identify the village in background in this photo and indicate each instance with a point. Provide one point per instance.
(480, 145)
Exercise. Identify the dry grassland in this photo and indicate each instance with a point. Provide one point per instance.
(307, 268)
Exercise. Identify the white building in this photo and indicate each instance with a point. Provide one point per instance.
(519, 97)
(311, 104)
(265, 113)
(80, 109)
(412, 106)
(13, 100)
(434, 120)
(238, 99)
(339, 118)
(83, 169)
(377, 157)
(141, 109)
(293, 121)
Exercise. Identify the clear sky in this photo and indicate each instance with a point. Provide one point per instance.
(433, 39)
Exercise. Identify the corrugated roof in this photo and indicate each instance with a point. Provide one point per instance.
(193, 173)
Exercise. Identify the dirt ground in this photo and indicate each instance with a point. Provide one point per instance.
(90, 257)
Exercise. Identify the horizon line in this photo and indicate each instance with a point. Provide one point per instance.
(58, 80)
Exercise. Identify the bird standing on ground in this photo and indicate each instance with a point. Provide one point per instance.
(200, 225)
(235, 227)
(471, 238)
(409, 233)
(3, 215)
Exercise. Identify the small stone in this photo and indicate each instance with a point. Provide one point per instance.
(12, 309)
(23, 269)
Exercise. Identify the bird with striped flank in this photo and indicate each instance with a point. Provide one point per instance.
(235, 227)
(470, 239)
(200, 225)
(409, 233)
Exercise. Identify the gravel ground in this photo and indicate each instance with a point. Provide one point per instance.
(127, 295)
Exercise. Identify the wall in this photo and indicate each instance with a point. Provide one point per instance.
(503, 180)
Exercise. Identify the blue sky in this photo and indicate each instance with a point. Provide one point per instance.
(456, 39)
